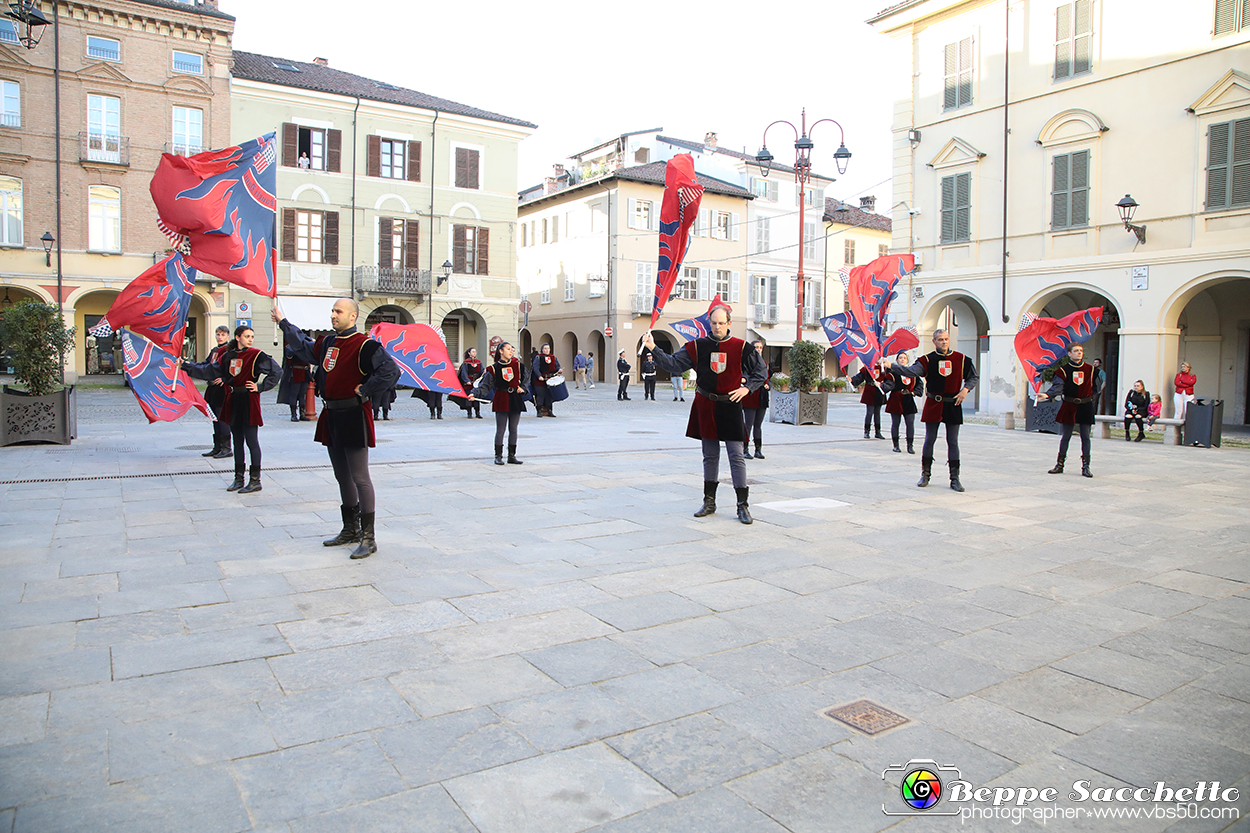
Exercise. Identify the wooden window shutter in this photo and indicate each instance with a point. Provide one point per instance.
(733, 286)
(733, 219)
(1241, 163)
(483, 251)
(772, 192)
(963, 202)
(631, 212)
(457, 249)
(1083, 42)
(950, 95)
(1063, 42)
(948, 209)
(373, 156)
(1217, 165)
(474, 173)
(288, 234)
(412, 233)
(334, 150)
(1060, 179)
(290, 146)
(705, 284)
(462, 168)
(414, 161)
(965, 72)
(1078, 203)
(330, 237)
(386, 230)
(1225, 16)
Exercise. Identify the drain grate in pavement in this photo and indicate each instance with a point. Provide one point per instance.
(189, 447)
(99, 449)
(866, 716)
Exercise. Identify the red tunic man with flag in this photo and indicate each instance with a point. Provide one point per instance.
(949, 378)
(1077, 385)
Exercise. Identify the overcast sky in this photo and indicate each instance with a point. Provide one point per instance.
(587, 72)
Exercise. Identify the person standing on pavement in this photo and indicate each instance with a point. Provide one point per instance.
(504, 383)
(648, 376)
(900, 403)
(350, 369)
(754, 409)
(215, 396)
(721, 363)
(1077, 385)
(382, 401)
(1184, 385)
(590, 369)
(622, 374)
(873, 397)
(293, 389)
(579, 370)
(247, 373)
(470, 372)
(949, 377)
(545, 366)
(679, 386)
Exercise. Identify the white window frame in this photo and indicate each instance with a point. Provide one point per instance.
(545, 297)
(198, 58)
(12, 222)
(309, 236)
(387, 168)
(99, 46)
(955, 77)
(690, 283)
(570, 291)
(721, 284)
(187, 147)
(723, 230)
(762, 234)
(11, 94)
(104, 218)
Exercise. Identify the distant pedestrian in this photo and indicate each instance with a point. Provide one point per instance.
(1184, 384)
(1155, 411)
(622, 374)
(215, 396)
(579, 370)
(1100, 380)
(754, 409)
(545, 366)
(590, 369)
(1136, 407)
(505, 383)
(873, 397)
(648, 376)
(679, 387)
(470, 372)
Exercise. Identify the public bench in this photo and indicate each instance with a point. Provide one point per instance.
(1171, 427)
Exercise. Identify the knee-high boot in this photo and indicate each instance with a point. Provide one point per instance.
(499, 455)
(350, 533)
(238, 480)
(926, 471)
(512, 456)
(368, 543)
(1058, 469)
(955, 484)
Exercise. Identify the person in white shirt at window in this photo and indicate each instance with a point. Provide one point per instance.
(304, 161)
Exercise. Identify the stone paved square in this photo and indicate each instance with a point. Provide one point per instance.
(561, 647)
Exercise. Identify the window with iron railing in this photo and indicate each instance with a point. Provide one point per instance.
(188, 62)
(188, 131)
(105, 49)
(8, 32)
(12, 96)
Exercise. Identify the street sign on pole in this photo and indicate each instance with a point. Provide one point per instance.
(607, 331)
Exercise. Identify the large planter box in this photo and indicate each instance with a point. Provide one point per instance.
(38, 419)
(1041, 416)
(798, 408)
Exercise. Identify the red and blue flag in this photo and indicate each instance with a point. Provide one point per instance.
(164, 391)
(871, 290)
(692, 328)
(222, 206)
(682, 197)
(1042, 342)
(154, 305)
(904, 338)
(848, 340)
(421, 355)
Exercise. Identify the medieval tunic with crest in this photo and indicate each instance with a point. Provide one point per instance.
(236, 369)
(343, 361)
(1078, 385)
(215, 395)
(505, 384)
(720, 367)
(901, 393)
(944, 376)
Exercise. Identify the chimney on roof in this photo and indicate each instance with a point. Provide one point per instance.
(558, 180)
(709, 141)
(867, 203)
(321, 62)
(212, 4)
(557, 170)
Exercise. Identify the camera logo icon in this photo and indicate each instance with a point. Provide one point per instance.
(920, 786)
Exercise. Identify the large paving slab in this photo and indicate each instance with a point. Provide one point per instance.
(560, 646)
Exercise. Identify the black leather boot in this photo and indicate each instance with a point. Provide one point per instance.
(746, 451)
(743, 492)
(926, 471)
(216, 447)
(1128, 435)
(253, 481)
(1085, 472)
(350, 533)
(1058, 469)
(499, 455)
(709, 499)
(910, 450)
(512, 456)
(759, 455)
(238, 481)
(368, 543)
(955, 484)
(225, 452)
(877, 435)
(897, 450)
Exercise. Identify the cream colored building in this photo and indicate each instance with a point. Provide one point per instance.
(588, 256)
(137, 79)
(1018, 128)
(378, 188)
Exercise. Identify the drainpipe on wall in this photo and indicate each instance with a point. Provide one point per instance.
(352, 263)
(433, 150)
(1006, 138)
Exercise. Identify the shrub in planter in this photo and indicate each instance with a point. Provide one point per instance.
(45, 410)
(839, 385)
(806, 359)
(825, 384)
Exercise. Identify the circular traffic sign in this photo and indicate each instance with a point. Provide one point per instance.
(525, 306)
(607, 331)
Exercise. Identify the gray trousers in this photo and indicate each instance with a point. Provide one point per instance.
(351, 470)
(737, 464)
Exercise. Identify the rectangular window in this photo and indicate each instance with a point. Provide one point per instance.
(470, 250)
(545, 297)
(723, 228)
(957, 208)
(1228, 165)
(312, 148)
(1074, 40)
(1069, 194)
(811, 197)
(545, 231)
(555, 229)
(690, 283)
(644, 286)
(104, 49)
(524, 235)
(764, 189)
(397, 243)
(810, 240)
(104, 128)
(1230, 16)
(308, 236)
(761, 235)
(813, 305)
(722, 284)
(468, 168)
(569, 294)
(958, 75)
(883, 249)
(10, 211)
(848, 252)
(188, 62)
(642, 215)
(104, 219)
(392, 156)
(12, 94)
(8, 32)
(188, 131)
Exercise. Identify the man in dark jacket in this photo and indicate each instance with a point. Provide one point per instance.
(622, 373)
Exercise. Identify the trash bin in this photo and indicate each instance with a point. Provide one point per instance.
(1204, 421)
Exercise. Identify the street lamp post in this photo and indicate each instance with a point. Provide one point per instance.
(803, 147)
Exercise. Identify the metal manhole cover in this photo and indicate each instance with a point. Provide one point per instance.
(642, 432)
(866, 716)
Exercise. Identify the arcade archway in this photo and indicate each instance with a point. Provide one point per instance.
(1103, 345)
(597, 347)
(1213, 316)
(965, 318)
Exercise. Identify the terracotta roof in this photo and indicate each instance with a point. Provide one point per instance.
(263, 68)
(191, 8)
(736, 154)
(853, 216)
(651, 173)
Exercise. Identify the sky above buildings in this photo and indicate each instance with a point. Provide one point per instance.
(587, 72)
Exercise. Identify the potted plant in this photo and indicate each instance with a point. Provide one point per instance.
(824, 385)
(43, 410)
(839, 384)
(781, 382)
(801, 405)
